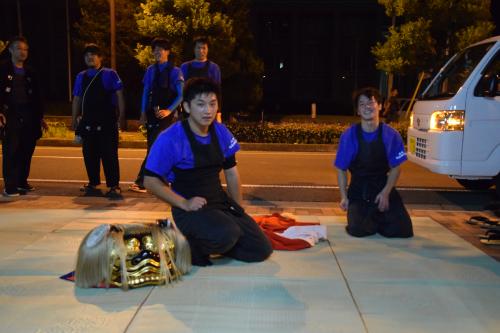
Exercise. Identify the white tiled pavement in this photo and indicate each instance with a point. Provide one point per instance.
(435, 282)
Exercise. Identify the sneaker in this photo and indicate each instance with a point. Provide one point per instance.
(26, 187)
(90, 191)
(114, 193)
(10, 194)
(137, 188)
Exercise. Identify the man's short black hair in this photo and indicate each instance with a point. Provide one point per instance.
(16, 39)
(92, 48)
(198, 86)
(368, 92)
(161, 43)
(200, 39)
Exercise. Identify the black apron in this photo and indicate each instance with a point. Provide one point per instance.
(161, 97)
(202, 180)
(197, 72)
(369, 169)
(98, 111)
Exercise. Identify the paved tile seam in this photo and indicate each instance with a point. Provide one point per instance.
(138, 309)
(347, 285)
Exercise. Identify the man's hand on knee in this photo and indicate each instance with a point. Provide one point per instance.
(195, 203)
(382, 199)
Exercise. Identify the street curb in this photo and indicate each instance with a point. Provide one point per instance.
(141, 144)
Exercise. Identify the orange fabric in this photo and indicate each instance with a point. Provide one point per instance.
(271, 224)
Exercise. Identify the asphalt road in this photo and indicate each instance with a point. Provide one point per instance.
(268, 176)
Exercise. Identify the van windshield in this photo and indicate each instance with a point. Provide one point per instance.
(453, 75)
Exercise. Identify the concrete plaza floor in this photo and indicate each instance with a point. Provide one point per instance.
(438, 281)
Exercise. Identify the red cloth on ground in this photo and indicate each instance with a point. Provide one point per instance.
(271, 224)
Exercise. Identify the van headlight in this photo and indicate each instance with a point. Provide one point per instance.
(448, 120)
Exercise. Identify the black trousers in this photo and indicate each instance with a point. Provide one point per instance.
(97, 147)
(18, 146)
(151, 136)
(222, 231)
(364, 218)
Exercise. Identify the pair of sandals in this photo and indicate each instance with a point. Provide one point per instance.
(492, 234)
(114, 193)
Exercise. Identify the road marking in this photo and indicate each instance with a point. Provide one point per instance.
(81, 157)
(271, 186)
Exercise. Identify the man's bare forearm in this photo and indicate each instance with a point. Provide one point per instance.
(158, 188)
(392, 179)
(233, 184)
(342, 182)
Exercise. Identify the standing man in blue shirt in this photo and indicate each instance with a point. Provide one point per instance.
(96, 96)
(373, 152)
(200, 66)
(190, 155)
(21, 117)
(162, 94)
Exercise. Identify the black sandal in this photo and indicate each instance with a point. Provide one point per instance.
(90, 191)
(491, 239)
(478, 219)
(489, 233)
(114, 193)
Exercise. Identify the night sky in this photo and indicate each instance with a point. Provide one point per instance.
(313, 51)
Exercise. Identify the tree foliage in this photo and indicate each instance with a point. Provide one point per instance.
(430, 31)
(224, 22)
(93, 26)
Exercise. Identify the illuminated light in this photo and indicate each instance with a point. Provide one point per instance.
(411, 120)
(282, 65)
(445, 120)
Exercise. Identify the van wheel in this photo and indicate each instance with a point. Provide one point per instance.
(476, 184)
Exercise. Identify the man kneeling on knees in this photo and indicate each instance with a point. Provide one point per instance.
(190, 155)
(373, 152)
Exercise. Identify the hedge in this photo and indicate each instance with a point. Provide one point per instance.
(295, 133)
(256, 132)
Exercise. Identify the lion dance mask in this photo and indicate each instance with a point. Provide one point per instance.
(132, 255)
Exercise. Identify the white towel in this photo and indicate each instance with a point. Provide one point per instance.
(310, 233)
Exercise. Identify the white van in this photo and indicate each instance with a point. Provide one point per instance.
(455, 126)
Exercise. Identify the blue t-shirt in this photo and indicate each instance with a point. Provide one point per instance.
(348, 146)
(172, 149)
(19, 70)
(176, 78)
(110, 80)
(213, 69)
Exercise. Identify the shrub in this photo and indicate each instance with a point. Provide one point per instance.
(295, 133)
(57, 130)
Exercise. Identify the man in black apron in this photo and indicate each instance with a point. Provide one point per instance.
(190, 155)
(162, 94)
(21, 117)
(97, 96)
(373, 152)
(200, 66)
